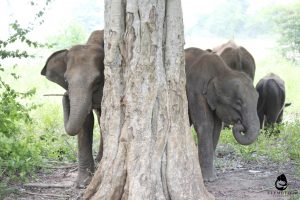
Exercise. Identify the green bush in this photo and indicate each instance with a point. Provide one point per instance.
(280, 147)
(18, 153)
(27, 141)
(30, 137)
(292, 140)
(287, 20)
(57, 145)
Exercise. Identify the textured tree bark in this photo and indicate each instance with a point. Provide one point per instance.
(148, 148)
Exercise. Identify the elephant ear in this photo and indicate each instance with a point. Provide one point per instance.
(55, 68)
(210, 93)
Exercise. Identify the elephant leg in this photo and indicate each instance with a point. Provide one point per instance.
(206, 152)
(261, 119)
(203, 121)
(216, 131)
(85, 156)
(224, 125)
(100, 152)
(280, 117)
(271, 118)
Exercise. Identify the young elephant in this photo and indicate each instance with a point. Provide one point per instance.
(80, 71)
(216, 93)
(237, 58)
(271, 101)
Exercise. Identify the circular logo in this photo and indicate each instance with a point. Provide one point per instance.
(281, 182)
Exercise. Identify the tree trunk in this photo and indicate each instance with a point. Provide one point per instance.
(149, 152)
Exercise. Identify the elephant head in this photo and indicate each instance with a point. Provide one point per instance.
(79, 70)
(234, 100)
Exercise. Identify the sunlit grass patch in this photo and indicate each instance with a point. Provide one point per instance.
(281, 147)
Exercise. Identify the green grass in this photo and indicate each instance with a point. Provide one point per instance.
(282, 147)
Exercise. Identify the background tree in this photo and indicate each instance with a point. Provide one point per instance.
(74, 33)
(149, 152)
(287, 25)
(233, 13)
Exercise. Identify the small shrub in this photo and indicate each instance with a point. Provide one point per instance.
(278, 147)
(57, 145)
(19, 152)
(291, 136)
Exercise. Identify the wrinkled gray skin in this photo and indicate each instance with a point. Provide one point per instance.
(271, 101)
(215, 94)
(237, 58)
(80, 71)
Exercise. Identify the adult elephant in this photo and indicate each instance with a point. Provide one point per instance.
(271, 101)
(216, 93)
(237, 58)
(79, 71)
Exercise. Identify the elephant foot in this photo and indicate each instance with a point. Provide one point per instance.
(210, 179)
(209, 176)
(83, 179)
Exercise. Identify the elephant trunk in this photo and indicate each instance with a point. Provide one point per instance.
(75, 111)
(246, 133)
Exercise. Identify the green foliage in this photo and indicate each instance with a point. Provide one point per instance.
(291, 136)
(56, 144)
(194, 135)
(232, 13)
(20, 34)
(15, 155)
(295, 197)
(73, 34)
(18, 153)
(25, 144)
(228, 20)
(260, 23)
(287, 20)
(278, 147)
(4, 190)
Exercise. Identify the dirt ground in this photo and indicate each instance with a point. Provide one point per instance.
(237, 180)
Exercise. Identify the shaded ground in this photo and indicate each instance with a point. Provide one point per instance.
(254, 182)
(237, 180)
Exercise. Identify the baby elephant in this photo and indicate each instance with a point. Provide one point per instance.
(217, 93)
(271, 101)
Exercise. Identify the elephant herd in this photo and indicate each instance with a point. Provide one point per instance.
(219, 88)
